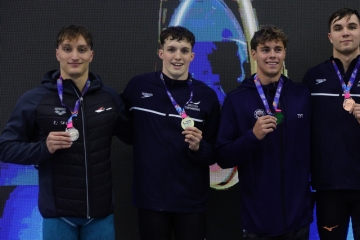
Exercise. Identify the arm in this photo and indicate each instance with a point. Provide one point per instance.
(18, 142)
(235, 144)
(202, 143)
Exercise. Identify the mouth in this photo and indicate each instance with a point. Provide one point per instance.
(177, 64)
(75, 64)
(272, 63)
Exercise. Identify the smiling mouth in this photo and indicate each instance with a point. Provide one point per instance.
(177, 64)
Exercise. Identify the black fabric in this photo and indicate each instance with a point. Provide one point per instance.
(161, 225)
(333, 211)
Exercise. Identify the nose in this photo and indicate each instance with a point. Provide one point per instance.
(74, 55)
(272, 53)
(345, 31)
(177, 54)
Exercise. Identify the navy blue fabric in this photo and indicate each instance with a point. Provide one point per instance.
(273, 172)
(73, 182)
(335, 133)
(168, 176)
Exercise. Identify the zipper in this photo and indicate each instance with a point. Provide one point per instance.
(85, 154)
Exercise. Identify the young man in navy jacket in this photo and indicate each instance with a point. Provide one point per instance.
(265, 131)
(62, 127)
(175, 121)
(335, 91)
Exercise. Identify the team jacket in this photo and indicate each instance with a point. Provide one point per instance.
(273, 172)
(335, 133)
(73, 182)
(168, 176)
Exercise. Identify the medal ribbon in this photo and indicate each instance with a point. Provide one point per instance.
(263, 98)
(180, 110)
(346, 89)
(75, 111)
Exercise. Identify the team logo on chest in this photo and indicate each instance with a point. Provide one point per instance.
(60, 110)
(193, 106)
(259, 113)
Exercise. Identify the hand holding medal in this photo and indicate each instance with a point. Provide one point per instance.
(193, 136)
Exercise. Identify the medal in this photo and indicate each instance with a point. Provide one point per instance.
(279, 116)
(187, 122)
(348, 103)
(74, 133)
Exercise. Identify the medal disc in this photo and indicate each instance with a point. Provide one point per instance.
(348, 103)
(74, 133)
(187, 122)
(279, 117)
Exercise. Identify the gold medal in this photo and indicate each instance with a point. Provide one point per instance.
(187, 122)
(348, 103)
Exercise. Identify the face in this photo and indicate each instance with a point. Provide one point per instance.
(74, 57)
(176, 56)
(270, 58)
(345, 35)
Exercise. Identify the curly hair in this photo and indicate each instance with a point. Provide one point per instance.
(268, 33)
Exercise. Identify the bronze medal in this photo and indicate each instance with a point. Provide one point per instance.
(348, 103)
(187, 122)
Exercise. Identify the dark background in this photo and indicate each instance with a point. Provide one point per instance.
(125, 44)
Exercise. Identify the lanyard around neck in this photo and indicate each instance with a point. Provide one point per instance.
(346, 88)
(181, 111)
(74, 111)
(263, 98)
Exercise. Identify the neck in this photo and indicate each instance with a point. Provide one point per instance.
(79, 81)
(265, 80)
(346, 59)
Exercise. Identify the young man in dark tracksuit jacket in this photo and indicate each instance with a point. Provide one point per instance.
(172, 148)
(335, 132)
(75, 184)
(265, 131)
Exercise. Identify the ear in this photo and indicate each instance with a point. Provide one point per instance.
(57, 54)
(330, 37)
(192, 56)
(253, 54)
(92, 56)
(161, 53)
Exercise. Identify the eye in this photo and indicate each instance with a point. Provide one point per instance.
(265, 50)
(184, 51)
(67, 49)
(278, 50)
(82, 50)
(171, 49)
(337, 28)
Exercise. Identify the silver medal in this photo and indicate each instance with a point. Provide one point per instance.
(74, 133)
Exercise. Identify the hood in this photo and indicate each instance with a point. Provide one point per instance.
(249, 83)
(50, 78)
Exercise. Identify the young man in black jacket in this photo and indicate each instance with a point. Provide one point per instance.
(335, 90)
(65, 127)
(175, 121)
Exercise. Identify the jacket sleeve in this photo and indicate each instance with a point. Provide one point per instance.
(126, 97)
(17, 141)
(234, 146)
(123, 124)
(206, 153)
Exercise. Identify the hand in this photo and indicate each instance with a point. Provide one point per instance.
(264, 125)
(193, 136)
(355, 110)
(58, 140)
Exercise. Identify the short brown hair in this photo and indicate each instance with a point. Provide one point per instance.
(73, 32)
(268, 33)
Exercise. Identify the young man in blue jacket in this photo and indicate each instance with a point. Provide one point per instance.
(65, 126)
(335, 91)
(265, 131)
(175, 120)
